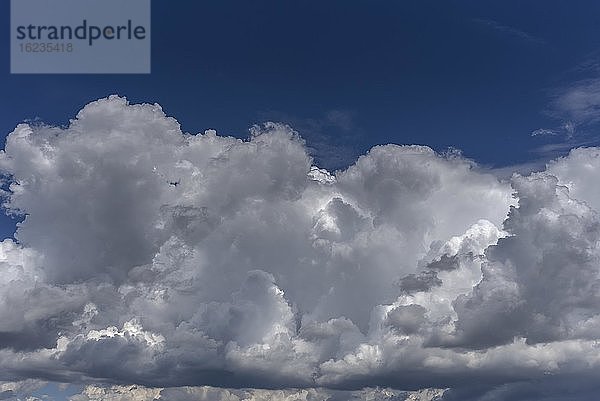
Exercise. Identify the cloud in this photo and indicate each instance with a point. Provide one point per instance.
(407, 271)
(510, 31)
(333, 138)
(577, 108)
(139, 393)
(544, 132)
(117, 393)
(580, 102)
(15, 391)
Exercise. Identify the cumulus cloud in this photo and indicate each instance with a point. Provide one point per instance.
(156, 263)
(205, 393)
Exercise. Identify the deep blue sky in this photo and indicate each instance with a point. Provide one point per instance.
(476, 75)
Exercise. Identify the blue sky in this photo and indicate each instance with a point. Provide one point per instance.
(477, 76)
(473, 75)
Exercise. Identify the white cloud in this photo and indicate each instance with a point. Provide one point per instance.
(205, 393)
(579, 102)
(510, 31)
(544, 132)
(117, 393)
(158, 258)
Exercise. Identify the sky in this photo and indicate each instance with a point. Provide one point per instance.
(477, 76)
(310, 201)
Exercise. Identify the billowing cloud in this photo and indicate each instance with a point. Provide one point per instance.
(170, 262)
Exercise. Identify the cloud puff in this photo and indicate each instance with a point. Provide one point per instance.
(155, 258)
(205, 393)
